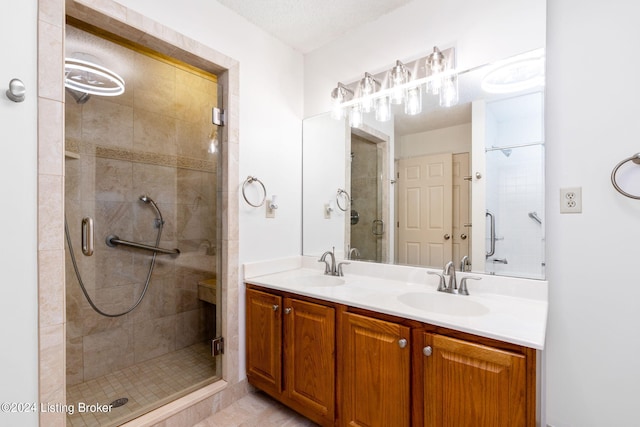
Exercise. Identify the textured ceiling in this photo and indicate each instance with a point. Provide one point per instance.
(308, 24)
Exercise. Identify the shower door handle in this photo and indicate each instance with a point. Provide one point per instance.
(87, 236)
(377, 227)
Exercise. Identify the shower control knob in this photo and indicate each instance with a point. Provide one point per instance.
(16, 90)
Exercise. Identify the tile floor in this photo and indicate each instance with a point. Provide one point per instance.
(147, 385)
(256, 410)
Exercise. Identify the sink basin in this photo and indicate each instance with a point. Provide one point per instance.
(314, 280)
(453, 305)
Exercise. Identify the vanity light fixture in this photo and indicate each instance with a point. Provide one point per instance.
(402, 84)
(435, 65)
(83, 74)
(339, 95)
(399, 76)
(367, 88)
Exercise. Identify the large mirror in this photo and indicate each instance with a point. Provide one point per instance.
(462, 183)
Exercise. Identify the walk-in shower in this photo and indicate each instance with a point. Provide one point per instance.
(142, 230)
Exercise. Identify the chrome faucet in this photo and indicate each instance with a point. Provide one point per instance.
(332, 269)
(328, 268)
(450, 271)
(354, 253)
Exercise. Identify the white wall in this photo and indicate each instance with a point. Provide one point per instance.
(270, 121)
(454, 139)
(593, 345)
(18, 186)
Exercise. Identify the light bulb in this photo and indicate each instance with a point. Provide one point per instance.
(383, 109)
(413, 103)
(399, 75)
(449, 91)
(368, 86)
(356, 117)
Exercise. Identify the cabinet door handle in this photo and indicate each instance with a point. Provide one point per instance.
(427, 351)
(275, 307)
(287, 310)
(402, 343)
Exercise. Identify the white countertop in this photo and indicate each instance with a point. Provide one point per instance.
(507, 309)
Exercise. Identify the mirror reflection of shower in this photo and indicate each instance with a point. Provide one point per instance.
(514, 238)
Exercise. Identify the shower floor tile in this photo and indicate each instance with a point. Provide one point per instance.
(147, 385)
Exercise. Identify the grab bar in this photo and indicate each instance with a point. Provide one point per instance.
(534, 216)
(492, 220)
(114, 241)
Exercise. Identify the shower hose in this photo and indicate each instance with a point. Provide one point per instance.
(160, 225)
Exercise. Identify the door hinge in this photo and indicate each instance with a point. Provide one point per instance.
(217, 346)
(217, 116)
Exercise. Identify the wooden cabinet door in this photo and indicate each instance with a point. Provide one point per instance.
(471, 385)
(264, 340)
(376, 373)
(309, 336)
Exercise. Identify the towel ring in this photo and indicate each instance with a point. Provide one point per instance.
(635, 159)
(251, 179)
(342, 194)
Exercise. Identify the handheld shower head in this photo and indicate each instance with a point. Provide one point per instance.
(148, 200)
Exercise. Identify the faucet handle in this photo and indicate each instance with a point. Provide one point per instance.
(340, 273)
(327, 267)
(442, 285)
(463, 284)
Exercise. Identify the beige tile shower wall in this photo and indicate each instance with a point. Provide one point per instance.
(152, 140)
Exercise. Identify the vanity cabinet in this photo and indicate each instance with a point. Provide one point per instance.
(291, 352)
(465, 384)
(376, 372)
(345, 366)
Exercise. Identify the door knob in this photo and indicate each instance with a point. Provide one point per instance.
(275, 307)
(463, 236)
(16, 90)
(447, 236)
(287, 310)
(402, 343)
(427, 351)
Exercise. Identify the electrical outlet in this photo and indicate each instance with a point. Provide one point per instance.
(571, 200)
